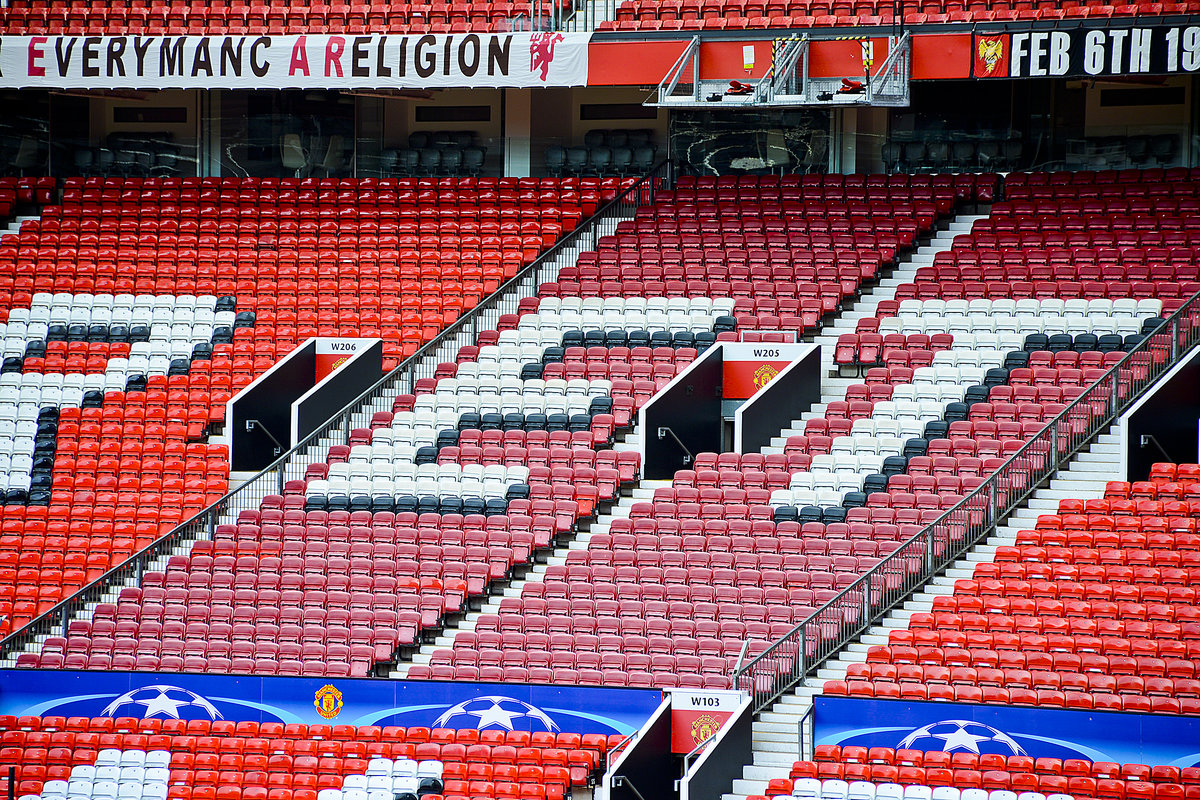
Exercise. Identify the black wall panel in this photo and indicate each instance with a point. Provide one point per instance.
(269, 404)
(692, 410)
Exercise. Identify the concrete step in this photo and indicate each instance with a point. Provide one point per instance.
(775, 737)
(535, 573)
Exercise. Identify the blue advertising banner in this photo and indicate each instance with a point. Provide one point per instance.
(342, 701)
(1154, 739)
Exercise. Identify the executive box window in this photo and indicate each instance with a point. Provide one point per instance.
(597, 111)
(1164, 96)
(154, 115)
(454, 114)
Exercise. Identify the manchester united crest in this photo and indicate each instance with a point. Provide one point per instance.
(764, 374)
(704, 726)
(328, 701)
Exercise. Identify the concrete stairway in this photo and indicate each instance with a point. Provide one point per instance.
(446, 351)
(536, 572)
(13, 226)
(776, 743)
(833, 386)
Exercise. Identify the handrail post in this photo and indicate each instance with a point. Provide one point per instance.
(802, 652)
(868, 592)
(1053, 470)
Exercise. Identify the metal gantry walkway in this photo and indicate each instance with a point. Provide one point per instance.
(787, 82)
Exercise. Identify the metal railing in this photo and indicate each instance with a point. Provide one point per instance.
(566, 17)
(849, 613)
(587, 15)
(804, 735)
(291, 466)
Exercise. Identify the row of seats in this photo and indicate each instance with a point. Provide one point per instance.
(485, 17)
(181, 19)
(599, 160)
(736, 14)
(1071, 264)
(880, 782)
(1102, 180)
(226, 185)
(991, 762)
(1109, 650)
(838, 789)
(131, 758)
(160, 360)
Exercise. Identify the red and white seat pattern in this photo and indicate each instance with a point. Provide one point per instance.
(217, 302)
(668, 595)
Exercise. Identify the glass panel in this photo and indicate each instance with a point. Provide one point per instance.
(123, 134)
(751, 142)
(991, 125)
(307, 134)
(1040, 125)
(24, 132)
(444, 133)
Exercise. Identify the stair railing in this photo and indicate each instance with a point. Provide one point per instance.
(857, 606)
(292, 465)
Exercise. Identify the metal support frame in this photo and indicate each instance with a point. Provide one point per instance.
(686, 72)
(783, 82)
(886, 86)
(787, 83)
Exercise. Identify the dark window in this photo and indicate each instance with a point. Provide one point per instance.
(155, 115)
(594, 111)
(454, 113)
(1166, 96)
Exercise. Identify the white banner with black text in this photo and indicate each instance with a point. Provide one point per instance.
(375, 61)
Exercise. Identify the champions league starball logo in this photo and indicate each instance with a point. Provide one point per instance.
(496, 712)
(961, 736)
(162, 702)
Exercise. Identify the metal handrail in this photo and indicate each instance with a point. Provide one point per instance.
(782, 75)
(694, 753)
(895, 61)
(357, 413)
(845, 616)
(804, 735)
(587, 16)
(667, 86)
